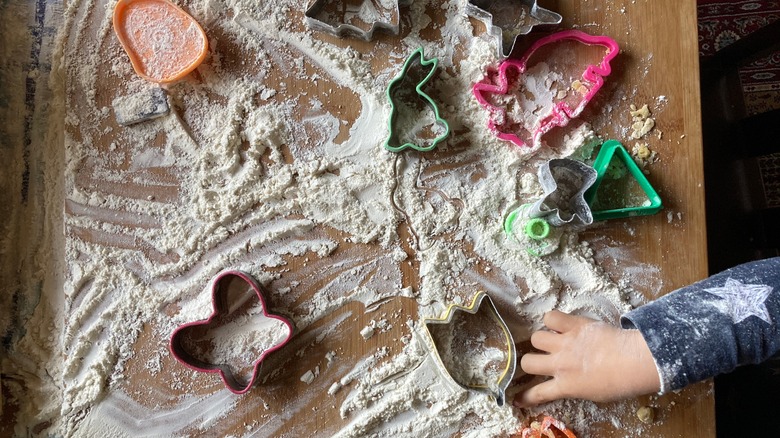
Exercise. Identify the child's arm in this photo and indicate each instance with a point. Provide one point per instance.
(692, 334)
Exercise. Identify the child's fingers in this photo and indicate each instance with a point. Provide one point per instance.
(558, 321)
(537, 394)
(545, 341)
(537, 364)
(563, 322)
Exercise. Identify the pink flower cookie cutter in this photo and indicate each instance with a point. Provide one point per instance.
(220, 303)
(562, 112)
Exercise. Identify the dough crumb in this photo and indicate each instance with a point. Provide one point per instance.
(643, 123)
(643, 155)
(646, 414)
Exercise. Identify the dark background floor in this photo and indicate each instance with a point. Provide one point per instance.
(739, 45)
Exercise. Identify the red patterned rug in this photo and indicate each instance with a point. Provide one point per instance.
(769, 166)
(723, 22)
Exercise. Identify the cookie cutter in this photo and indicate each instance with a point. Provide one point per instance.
(415, 61)
(497, 390)
(564, 182)
(532, 233)
(494, 14)
(164, 43)
(548, 428)
(562, 111)
(221, 306)
(316, 19)
(610, 149)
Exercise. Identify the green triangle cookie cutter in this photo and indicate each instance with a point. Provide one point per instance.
(415, 60)
(609, 149)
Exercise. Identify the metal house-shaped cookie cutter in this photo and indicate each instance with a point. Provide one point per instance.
(495, 389)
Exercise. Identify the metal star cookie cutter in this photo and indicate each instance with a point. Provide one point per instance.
(221, 305)
(415, 61)
(501, 20)
(562, 111)
(319, 19)
(564, 182)
(495, 389)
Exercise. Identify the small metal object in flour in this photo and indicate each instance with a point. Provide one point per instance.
(603, 208)
(222, 306)
(564, 182)
(375, 14)
(503, 83)
(498, 388)
(506, 20)
(406, 82)
(141, 106)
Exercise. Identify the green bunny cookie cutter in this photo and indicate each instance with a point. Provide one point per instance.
(415, 61)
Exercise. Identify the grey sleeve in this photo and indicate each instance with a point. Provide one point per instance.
(713, 326)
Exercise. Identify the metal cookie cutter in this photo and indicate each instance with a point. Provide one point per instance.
(506, 20)
(564, 182)
(536, 226)
(608, 171)
(222, 306)
(319, 18)
(497, 389)
(562, 111)
(417, 63)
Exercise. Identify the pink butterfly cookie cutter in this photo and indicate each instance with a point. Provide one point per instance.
(562, 111)
(221, 306)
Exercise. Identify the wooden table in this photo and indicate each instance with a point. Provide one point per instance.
(660, 38)
(659, 57)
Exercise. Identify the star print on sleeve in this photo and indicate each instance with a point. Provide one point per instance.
(741, 301)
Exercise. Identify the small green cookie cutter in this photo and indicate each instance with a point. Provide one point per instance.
(538, 237)
(537, 229)
(416, 59)
(608, 150)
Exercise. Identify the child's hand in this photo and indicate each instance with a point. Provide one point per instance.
(588, 359)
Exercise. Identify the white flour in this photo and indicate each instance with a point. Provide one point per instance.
(232, 179)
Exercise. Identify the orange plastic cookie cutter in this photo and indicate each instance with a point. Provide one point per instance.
(548, 428)
(164, 42)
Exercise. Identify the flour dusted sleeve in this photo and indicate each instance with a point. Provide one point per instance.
(713, 326)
